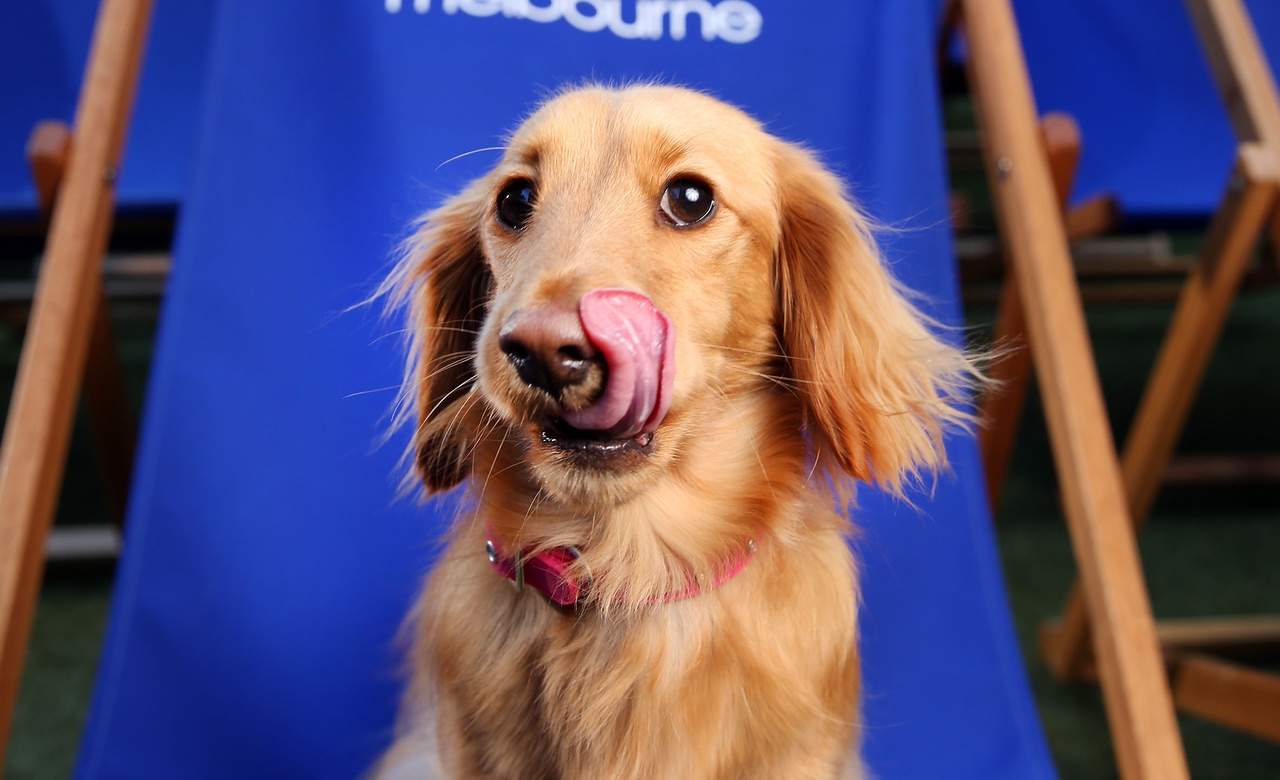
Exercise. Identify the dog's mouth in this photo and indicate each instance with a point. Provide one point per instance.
(593, 447)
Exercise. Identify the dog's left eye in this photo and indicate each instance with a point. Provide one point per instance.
(515, 203)
(687, 202)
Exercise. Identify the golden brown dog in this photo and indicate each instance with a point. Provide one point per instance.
(653, 339)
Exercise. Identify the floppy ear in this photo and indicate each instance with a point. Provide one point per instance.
(878, 386)
(446, 282)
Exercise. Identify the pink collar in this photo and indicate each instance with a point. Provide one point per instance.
(548, 573)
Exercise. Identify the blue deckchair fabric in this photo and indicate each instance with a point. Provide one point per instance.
(267, 564)
(44, 46)
(1134, 75)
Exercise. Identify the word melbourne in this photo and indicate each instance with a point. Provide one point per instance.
(732, 21)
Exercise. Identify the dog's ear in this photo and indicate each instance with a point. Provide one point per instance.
(879, 388)
(446, 282)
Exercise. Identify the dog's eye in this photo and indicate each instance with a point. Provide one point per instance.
(687, 202)
(515, 203)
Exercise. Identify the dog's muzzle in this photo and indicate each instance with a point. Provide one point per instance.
(610, 365)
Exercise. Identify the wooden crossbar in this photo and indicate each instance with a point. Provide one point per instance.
(1243, 638)
(1207, 686)
(1235, 696)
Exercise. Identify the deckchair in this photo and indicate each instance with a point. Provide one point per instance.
(267, 566)
(1160, 139)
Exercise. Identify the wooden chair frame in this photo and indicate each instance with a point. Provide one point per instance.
(1213, 689)
(1138, 700)
(68, 303)
(111, 419)
(1042, 300)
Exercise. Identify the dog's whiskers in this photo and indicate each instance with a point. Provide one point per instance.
(444, 398)
(764, 472)
(468, 154)
(762, 353)
(462, 353)
(457, 418)
(439, 369)
(496, 454)
(528, 512)
(488, 424)
(782, 381)
(389, 334)
(450, 329)
(371, 391)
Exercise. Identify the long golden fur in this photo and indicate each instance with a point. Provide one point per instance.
(800, 365)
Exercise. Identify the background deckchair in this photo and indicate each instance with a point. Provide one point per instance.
(1167, 142)
(1135, 77)
(266, 567)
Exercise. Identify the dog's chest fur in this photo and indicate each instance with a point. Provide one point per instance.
(756, 679)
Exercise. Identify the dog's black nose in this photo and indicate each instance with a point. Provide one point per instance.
(550, 351)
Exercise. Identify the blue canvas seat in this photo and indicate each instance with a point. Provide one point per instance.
(43, 48)
(1133, 74)
(268, 563)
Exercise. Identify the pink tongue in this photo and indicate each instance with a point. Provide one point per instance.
(638, 344)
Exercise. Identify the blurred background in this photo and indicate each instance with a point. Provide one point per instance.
(1138, 90)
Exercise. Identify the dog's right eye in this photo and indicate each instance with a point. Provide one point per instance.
(515, 203)
(687, 202)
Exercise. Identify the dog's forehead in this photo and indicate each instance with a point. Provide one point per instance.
(650, 123)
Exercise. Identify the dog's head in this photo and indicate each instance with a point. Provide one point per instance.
(637, 259)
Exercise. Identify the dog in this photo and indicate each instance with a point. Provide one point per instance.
(659, 345)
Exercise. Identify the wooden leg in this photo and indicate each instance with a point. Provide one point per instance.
(53, 354)
(1197, 322)
(1240, 67)
(111, 418)
(1060, 136)
(1275, 236)
(110, 413)
(950, 19)
(48, 148)
(1193, 332)
(1002, 407)
(1235, 696)
(1095, 216)
(1001, 411)
(1138, 702)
